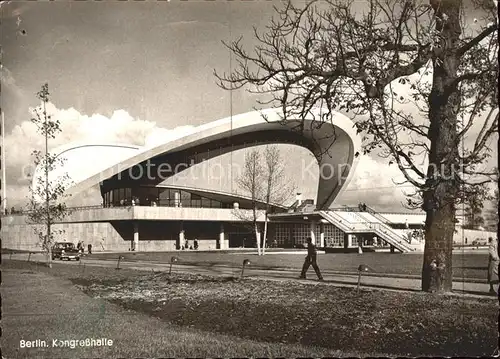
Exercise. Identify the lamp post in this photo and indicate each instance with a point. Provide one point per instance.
(119, 260)
(245, 263)
(173, 260)
(362, 268)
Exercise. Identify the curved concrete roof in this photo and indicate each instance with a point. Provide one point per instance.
(83, 160)
(336, 158)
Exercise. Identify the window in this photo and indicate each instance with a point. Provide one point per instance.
(282, 234)
(128, 196)
(185, 199)
(215, 204)
(116, 197)
(301, 232)
(166, 198)
(151, 195)
(334, 237)
(354, 241)
(164, 194)
(205, 203)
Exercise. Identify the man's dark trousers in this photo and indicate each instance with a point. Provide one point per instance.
(310, 260)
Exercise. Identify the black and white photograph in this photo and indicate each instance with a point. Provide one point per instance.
(249, 178)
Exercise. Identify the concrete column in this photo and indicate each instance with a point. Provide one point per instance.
(177, 199)
(349, 240)
(313, 231)
(181, 236)
(322, 234)
(135, 246)
(220, 245)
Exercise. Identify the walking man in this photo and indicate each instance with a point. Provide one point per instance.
(310, 259)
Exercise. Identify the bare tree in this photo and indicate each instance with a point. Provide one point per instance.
(45, 207)
(250, 181)
(265, 181)
(277, 187)
(416, 76)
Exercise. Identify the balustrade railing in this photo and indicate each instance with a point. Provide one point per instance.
(76, 208)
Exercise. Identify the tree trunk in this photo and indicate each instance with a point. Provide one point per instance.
(49, 246)
(440, 195)
(257, 237)
(265, 235)
(49, 257)
(439, 198)
(437, 266)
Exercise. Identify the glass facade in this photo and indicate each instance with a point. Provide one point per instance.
(300, 233)
(295, 234)
(157, 196)
(334, 237)
(282, 234)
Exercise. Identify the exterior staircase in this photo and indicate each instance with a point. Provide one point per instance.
(353, 222)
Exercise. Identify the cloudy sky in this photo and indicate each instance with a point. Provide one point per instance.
(137, 73)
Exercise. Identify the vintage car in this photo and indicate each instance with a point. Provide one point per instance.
(480, 242)
(65, 250)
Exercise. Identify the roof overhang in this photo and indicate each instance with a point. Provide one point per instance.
(334, 145)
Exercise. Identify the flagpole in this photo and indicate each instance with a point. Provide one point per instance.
(4, 164)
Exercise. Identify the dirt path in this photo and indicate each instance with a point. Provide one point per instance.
(331, 277)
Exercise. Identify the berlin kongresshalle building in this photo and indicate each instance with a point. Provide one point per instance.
(141, 212)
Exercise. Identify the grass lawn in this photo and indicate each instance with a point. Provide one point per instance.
(465, 265)
(277, 318)
(36, 305)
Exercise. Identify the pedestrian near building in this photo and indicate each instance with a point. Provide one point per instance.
(89, 247)
(311, 260)
(493, 262)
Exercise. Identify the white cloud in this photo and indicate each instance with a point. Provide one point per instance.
(120, 128)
